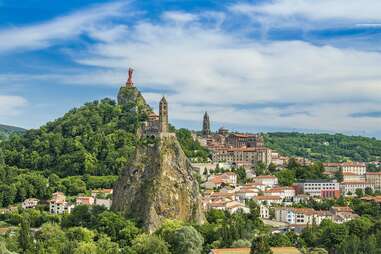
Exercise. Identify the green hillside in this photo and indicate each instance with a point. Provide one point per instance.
(325, 147)
(95, 139)
(6, 130)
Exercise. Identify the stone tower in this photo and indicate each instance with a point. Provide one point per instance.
(163, 115)
(206, 125)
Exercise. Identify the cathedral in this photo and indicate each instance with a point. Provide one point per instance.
(206, 125)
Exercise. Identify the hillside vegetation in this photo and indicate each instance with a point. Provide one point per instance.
(6, 130)
(95, 139)
(325, 147)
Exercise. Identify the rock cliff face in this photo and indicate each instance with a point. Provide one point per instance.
(158, 181)
(159, 184)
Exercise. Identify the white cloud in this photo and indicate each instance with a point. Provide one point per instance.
(239, 80)
(315, 10)
(179, 17)
(62, 28)
(11, 105)
(371, 25)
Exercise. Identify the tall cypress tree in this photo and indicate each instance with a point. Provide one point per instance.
(25, 236)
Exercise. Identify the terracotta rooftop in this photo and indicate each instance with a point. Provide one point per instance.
(267, 197)
(242, 135)
(342, 209)
(242, 149)
(280, 189)
(344, 164)
(222, 194)
(353, 182)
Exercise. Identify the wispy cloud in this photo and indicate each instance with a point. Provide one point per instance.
(11, 105)
(62, 28)
(371, 114)
(206, 68)
(305, 12)
(201, 63)
(371, 25)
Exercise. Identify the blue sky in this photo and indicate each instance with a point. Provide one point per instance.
(280, 65)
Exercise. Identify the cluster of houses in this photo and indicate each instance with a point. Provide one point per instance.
(223, 192)
(355, 177)
(308, 216)
(58, 204)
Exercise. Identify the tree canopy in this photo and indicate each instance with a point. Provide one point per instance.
(325, 147)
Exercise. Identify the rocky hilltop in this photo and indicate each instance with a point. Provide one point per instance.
(158, 182)
(132, 99)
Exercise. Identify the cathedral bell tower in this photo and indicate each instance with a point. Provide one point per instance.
(163, 115)
(206, 125)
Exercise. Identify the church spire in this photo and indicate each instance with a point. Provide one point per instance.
(206, 125)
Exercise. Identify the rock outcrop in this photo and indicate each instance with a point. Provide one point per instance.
(131, 98)
(158, 183)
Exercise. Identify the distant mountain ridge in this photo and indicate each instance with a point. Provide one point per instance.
(325, 147)
(6, 130)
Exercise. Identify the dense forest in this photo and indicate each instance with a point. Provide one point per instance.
(6, 130)
(325, 147)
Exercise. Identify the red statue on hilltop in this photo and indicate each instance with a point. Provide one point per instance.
(129, 81)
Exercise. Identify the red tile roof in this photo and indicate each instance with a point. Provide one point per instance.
(267, 197)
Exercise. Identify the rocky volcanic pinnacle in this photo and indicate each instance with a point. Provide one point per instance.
(158, 184)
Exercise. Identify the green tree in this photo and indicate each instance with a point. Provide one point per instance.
(86, 248)
(260, 169)
(272, 168)
(191, 147)
(260, 245)
(369, 191)
(111, 224)
(333, 234)
(241, 173)
(317, 251)
(129, 233)
(279, 240)
(25, 236)
(149, 244)
(360, 226)
(359, 193)
(185, 240)
(106, 246)
(80, 234)
(80, 216)
(286, 177)
(74, 185)
(339, 176)
(51, 239)
(3, 248)
(241, 243)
